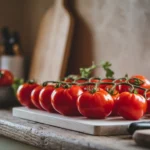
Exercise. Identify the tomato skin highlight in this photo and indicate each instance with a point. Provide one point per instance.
(96, 106)
(131, 106)
(24, 94)
(35, 96)
(6, 78)
(45, 98)
(64, 100)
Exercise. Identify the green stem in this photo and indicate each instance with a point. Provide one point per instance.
(136, 82)
(32, 81)
(121, 79)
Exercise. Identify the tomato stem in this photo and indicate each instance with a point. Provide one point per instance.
(32, 81)
(95, 89)
(120, 80)
(135, 81)
(72, 77)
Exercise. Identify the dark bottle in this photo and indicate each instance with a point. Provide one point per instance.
(2, 46)
(15, 43)
(6, 41)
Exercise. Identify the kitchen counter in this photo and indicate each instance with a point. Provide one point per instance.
(49, 137)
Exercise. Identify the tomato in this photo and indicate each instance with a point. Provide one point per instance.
(145, 84)
(115, 108)
(107, 80)
(6, 78)
(45, 98)
(82, 80)
(120, 80)
(114, 95)
(35, 96)
(123, 88)
(97, 105)
(131, 106)
(94, 79)
(148, 101)
(64, 100)
(24, 94)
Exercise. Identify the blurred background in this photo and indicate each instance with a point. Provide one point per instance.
(117, 31)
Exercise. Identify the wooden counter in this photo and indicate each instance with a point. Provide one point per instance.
(52, 138)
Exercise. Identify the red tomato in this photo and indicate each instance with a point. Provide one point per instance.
(64, 100)
(115, 108)
(35, 96)
(148, 101)
(131, 106)
(98, 105)
(45, 98)
(24, 94)
(114, 95)
(95, 79)
(120, 80)
(123, 88)
(6, 78)
(146, 83)
(109, 80)
(82, 80)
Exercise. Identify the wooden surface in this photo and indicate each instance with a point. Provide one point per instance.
(52, 138)
(109, 126)
(52, 47)
(9, 144)
(142, 137)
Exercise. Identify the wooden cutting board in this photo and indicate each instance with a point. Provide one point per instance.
(142, 137)
(52, 47)
(109, 126)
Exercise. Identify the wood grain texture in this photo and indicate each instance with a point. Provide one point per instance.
(51, 138)
(52, 49)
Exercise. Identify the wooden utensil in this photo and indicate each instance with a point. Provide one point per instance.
(52, 48)
(142, 137)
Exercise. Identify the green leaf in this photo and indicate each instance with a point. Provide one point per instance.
(106, 66)
(86, 72)
(17, 83)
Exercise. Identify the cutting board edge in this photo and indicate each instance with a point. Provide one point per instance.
(88, 129)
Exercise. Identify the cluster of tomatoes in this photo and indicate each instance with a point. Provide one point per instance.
(93, 98)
